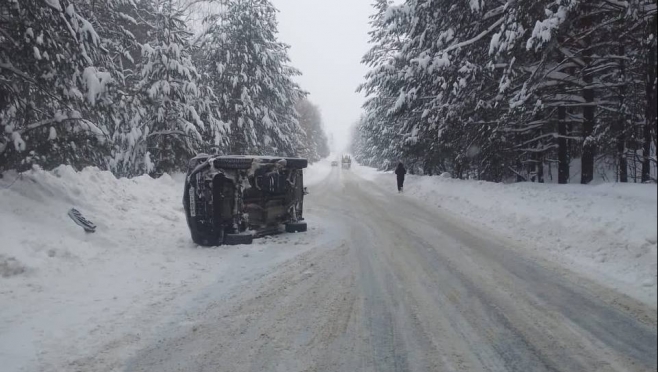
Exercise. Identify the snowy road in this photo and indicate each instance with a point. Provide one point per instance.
(390, 285)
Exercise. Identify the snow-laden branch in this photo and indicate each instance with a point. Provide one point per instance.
(572, 56)
(527, 128)
(14, 70)
(169, 133)
(599, 104)
(543, 149)
(43, 123)
(475, 39)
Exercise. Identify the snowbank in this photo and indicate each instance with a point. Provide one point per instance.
(67, 295)
(368, 173)
(606, 232)
(61, 286)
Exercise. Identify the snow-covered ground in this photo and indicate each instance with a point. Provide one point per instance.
(359, 291)
(66, 294)
(606, 232)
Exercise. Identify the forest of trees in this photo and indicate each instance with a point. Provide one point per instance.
(504, 90)
(316, 143)
(140, 86)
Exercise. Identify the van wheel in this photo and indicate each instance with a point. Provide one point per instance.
(296, 227)
(204, 240)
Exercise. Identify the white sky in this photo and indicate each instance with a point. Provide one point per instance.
(328, 39)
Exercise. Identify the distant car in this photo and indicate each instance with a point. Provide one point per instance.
(234, 199)
(334, 163)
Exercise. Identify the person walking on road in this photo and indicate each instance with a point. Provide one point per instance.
(400, 172)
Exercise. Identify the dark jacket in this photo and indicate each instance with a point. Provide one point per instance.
(400, 171)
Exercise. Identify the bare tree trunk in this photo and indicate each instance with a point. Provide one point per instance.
(562, 149)
(650, 107)
(519, 166)
(621, 123)
(587, 174)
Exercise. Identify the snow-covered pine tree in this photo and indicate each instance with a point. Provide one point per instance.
(122, 26)
(362, 146)
(47, 78)
(488, 90)
(248, 69)
(315, 142)
(647, 14)
(375, 145)
(523, 127)
(379, 140)
(161, 124)
(450, 87)
(583, 79)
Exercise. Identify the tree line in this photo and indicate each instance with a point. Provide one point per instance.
(500, 90)
(135, 86)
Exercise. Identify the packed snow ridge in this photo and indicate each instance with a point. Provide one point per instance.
(67, 294)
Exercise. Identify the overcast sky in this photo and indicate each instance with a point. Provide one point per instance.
(328, 39)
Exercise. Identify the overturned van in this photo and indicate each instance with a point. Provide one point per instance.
(234, 199)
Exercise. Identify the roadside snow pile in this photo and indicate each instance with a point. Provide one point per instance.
(58, 284)
(36, 230)
(87, 301)
(369, 173)
(606, 232)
